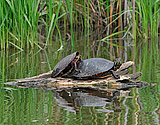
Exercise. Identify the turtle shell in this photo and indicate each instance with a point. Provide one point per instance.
(64, 65)
(94, 68)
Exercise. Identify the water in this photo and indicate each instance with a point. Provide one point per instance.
(78, 105)
(28, 105)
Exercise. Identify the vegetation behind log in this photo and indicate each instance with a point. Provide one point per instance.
(23, 22)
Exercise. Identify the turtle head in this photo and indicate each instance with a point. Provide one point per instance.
(117, 63)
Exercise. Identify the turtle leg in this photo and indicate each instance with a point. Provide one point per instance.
(114, 75)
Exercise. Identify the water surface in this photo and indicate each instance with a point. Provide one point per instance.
(46, 105)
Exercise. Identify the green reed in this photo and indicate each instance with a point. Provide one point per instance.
(53, 17)
(22, 22)
(149, 14)
(147, 49)
(3, 63)
(70, 9)
(19, 21)
(148, 61)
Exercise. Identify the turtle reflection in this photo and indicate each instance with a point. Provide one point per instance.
(72, 98)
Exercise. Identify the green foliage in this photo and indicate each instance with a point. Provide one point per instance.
(22, 22)
(149, 13)
(19, 20)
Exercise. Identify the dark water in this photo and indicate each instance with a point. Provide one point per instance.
(84, 105)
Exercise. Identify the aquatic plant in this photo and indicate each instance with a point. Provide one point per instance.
(30, 23)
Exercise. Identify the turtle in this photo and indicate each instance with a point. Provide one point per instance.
(97, 68)
(66, 65)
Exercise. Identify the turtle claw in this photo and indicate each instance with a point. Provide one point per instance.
(117, 77)
(114, 75)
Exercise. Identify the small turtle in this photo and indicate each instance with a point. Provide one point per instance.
(66, 65)
(97, 68)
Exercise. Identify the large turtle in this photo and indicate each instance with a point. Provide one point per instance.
(66, 65)
(97, 68)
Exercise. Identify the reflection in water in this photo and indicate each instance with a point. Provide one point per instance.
(113, 102)
(126, 111)
(73, 98)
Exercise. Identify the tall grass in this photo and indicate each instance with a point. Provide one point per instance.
(19, 20)
(22, 22)
(2, 67)
(149, 14)
(147, 29)
(147, 60)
